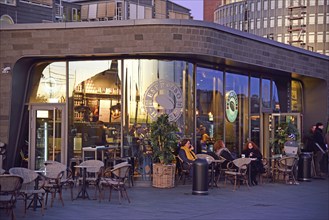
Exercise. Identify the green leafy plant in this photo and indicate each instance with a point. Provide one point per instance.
(283, 133)
(163, 139)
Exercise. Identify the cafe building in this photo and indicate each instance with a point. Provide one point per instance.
(66, 87)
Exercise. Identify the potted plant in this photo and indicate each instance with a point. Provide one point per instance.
(285, 132)
(164, 141)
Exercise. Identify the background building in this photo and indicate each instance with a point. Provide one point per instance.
(301, 23)
(37, 11)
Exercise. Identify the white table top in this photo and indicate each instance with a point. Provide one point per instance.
(99, 148)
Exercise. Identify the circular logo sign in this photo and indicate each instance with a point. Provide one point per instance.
(162, 97)
(231, 106)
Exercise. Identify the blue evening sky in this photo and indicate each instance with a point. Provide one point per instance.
(196, 7)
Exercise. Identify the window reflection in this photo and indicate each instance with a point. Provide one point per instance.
(236, 132)
(255, 110)
(296, 96)
(266, 94)
(254, 95)
(209, 102)
(50, 84)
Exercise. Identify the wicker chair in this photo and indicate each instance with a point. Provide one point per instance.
(116, 179)
(54, 173)
(237, 171)
(66, 179)
(31, 188)
(286, 167)
(184, 169)
(267, 169)
(9, 189)
(94, 173)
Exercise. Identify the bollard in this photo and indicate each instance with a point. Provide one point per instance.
(200, 177)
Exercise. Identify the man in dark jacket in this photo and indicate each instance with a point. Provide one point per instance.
(320, 147)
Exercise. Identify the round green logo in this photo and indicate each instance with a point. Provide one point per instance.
(231, 106)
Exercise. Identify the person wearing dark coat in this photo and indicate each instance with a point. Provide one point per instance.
(187, 154)
(308, 140)
(251, 150)
(320, 147)
(222, 152)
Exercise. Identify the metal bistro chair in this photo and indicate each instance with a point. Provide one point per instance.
(9, 190)
(286, 167)
(237, 171)
(184, 169)
(31, 188)
(54, 173)
(116, 179)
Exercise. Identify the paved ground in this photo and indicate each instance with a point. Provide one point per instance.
(308, 200)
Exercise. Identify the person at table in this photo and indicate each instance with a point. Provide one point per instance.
(251, 150)
(187, 154)
(204, 140)
(222, 152)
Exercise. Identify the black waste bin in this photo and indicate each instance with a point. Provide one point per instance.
(304, 166)
(200, 177)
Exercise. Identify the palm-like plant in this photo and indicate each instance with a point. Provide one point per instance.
(163, 139)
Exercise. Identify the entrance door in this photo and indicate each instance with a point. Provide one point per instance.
(47, 134)
(275, 128)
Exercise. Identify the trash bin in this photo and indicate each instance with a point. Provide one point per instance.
(200, 177)
(304, 166)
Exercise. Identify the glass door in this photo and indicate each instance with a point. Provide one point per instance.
(47, 135)
(280, 128)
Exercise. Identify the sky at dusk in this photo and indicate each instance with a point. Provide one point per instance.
(196, 7)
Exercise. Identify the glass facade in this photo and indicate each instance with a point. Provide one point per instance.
(112, 102)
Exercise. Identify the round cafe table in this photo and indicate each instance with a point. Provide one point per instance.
(83, 191)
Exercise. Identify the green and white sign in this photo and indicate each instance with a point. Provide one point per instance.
(231, 106)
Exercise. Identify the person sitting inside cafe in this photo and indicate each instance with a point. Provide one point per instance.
(187, 155)
(251, 150)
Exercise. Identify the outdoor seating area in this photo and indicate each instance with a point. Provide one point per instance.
(54, 180)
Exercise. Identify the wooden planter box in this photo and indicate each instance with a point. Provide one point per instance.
(164, 175)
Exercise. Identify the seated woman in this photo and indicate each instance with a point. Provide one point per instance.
(187, 155)
(222, 152)
(251, 150)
